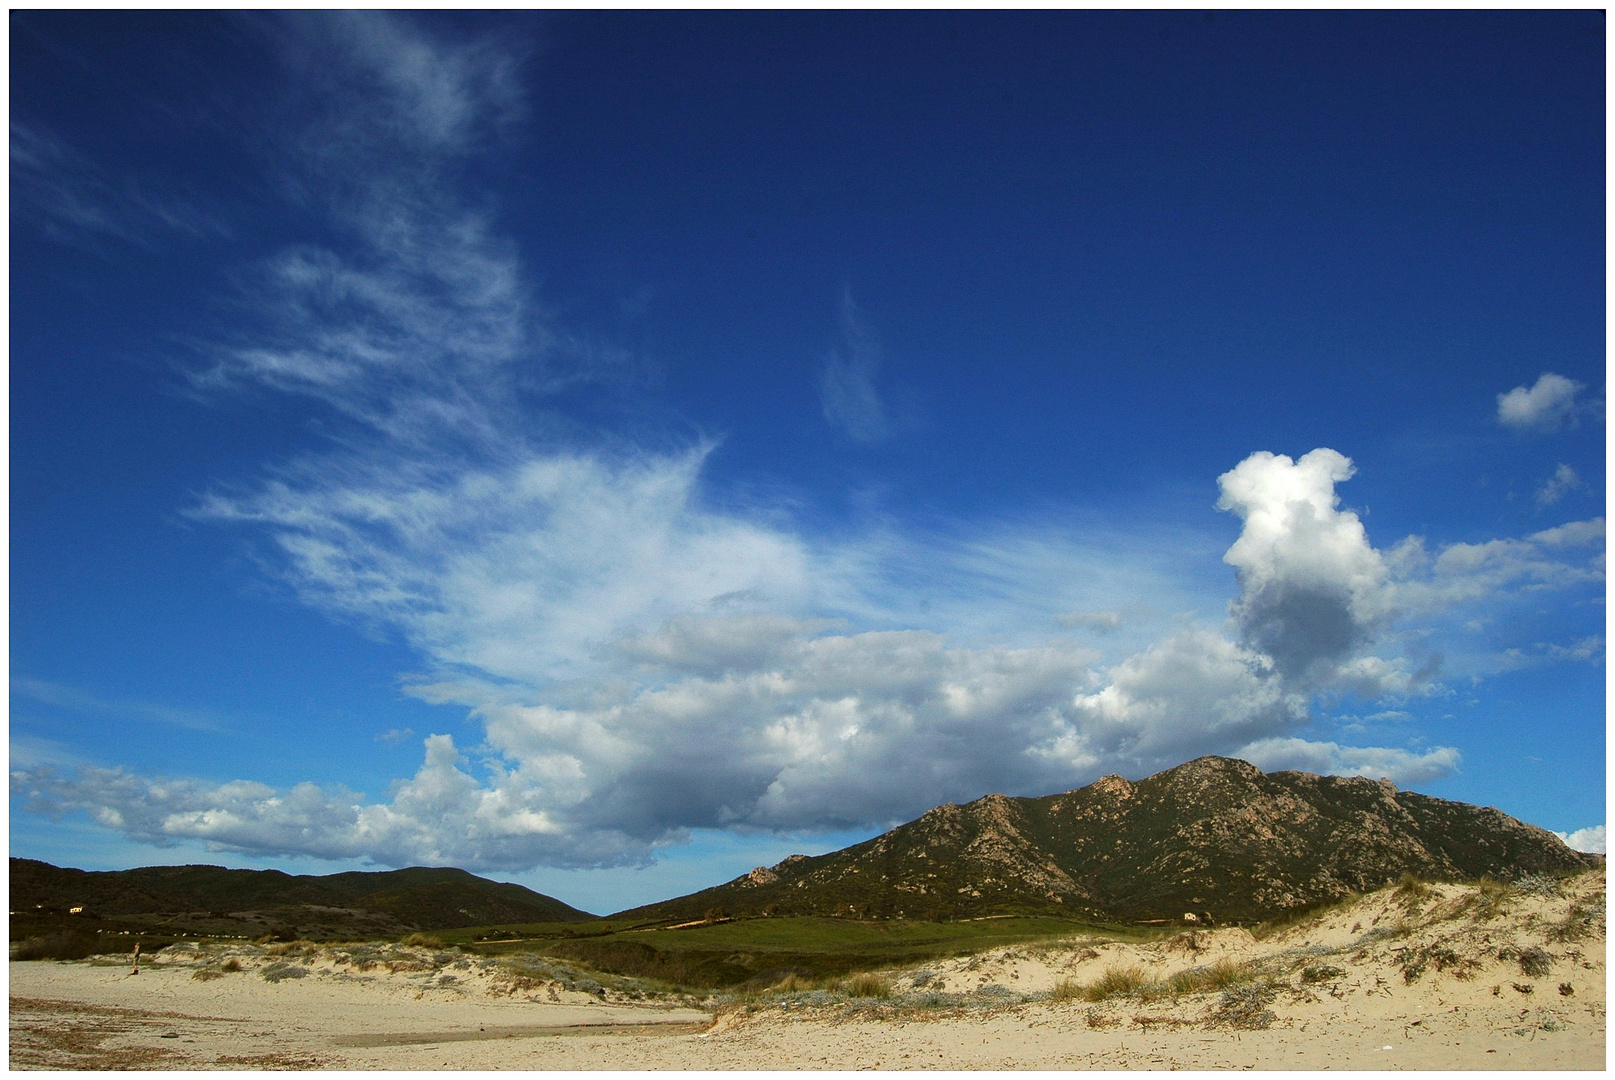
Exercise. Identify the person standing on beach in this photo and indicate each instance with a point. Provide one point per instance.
(136, 971)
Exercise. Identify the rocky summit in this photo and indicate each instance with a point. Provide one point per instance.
(1214, 840)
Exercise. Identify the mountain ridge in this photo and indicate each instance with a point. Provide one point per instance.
(383, 901)
(1214, 838)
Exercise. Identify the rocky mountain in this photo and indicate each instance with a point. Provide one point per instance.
(1215, 838)
(214, 899)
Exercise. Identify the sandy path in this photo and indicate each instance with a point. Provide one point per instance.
(1384, 983)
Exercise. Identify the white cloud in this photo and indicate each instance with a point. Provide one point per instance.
(1585, 650)
(1105, 622)
(67, 196)
(1558, 558)
(77, 701)
(1563, 481)
(1313, 590)
(1546, 406)
(1375, 762)
(847, 382)
(1589, 839)
(521, 571)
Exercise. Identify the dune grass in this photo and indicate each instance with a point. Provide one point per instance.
(1130, 980)
(867, 985)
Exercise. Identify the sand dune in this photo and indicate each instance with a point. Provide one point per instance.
(1439, 976)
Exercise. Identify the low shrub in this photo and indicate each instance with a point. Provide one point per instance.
(281, 970)
(1535, 962)
(207, 975)
(1245, 1007)
(1537, 885)
(231, 965)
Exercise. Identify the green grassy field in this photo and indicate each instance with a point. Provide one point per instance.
(726, 954)
(760, 952)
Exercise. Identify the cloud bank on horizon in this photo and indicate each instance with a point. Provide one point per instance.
(640, 660)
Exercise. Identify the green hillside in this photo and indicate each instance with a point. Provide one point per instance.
(215, 901)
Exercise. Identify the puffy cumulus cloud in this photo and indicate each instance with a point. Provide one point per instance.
(1313, 591)
(1548, 405)
(820, 731)
(441, 815)
(1375, 762)
(1589, 839)
(841, 729)
(1192, 694)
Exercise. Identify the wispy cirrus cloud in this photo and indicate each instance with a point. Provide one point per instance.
(59, 190)
(851, 401)
(74, 700)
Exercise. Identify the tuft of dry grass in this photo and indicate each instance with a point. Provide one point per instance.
(1115, 981)
(793, 983)
(1410, 890)
(425, 941)
(1489, 900)
(868, 985)
(207, 975)
(1065, 990)
(1223, 974)
(292, 948)
(232, 965)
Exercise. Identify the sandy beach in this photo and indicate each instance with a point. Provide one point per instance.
(1441, 976)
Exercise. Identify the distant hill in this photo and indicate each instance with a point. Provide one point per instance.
(214, 899)
(1215, 837)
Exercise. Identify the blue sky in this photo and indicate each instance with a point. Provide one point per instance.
(611, 451)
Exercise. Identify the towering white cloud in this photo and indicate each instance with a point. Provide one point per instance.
(1547, 405)
(1312, 589)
